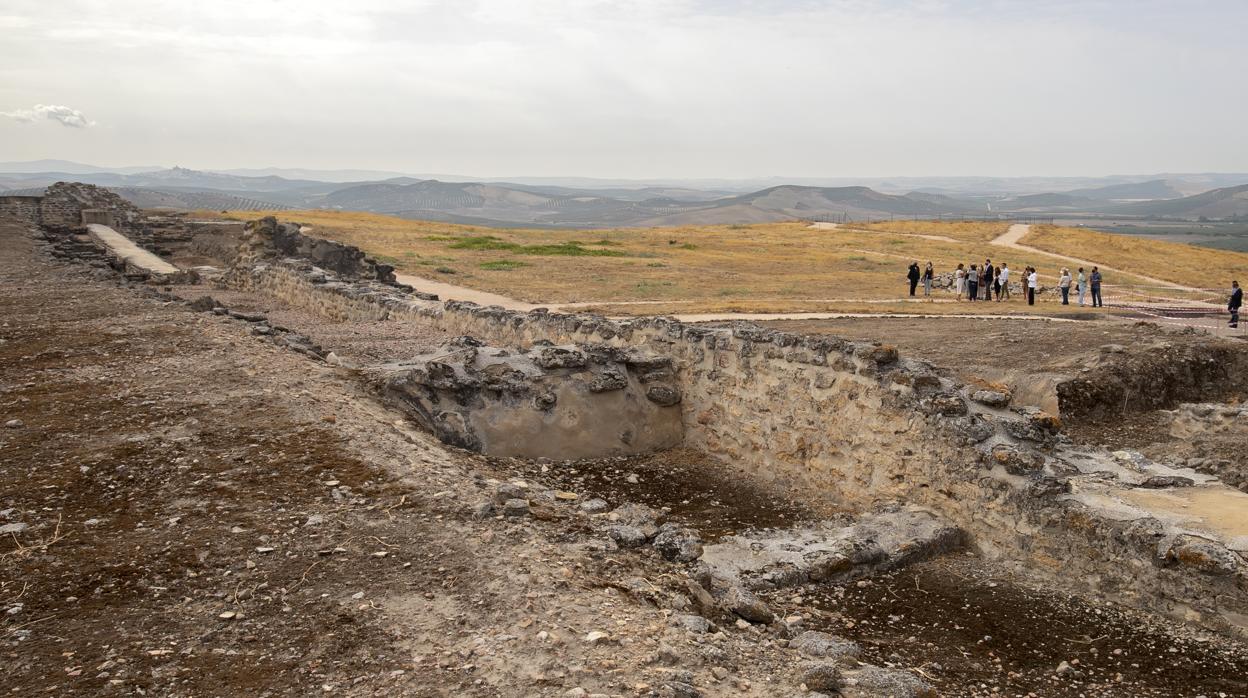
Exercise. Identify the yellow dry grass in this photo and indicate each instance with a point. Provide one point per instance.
(750, 268)
(966, 231)
(1175, 262)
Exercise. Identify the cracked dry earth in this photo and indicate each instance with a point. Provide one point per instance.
(192, 510)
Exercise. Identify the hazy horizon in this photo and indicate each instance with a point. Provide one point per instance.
(636, 90)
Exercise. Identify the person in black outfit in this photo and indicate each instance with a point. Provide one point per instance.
(987, 290)
(972, 284)
(1237, 300)
(913, 275)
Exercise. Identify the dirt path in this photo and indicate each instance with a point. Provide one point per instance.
(1011, 239)
(447, 291)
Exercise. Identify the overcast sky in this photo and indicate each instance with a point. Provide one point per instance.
(631, 88)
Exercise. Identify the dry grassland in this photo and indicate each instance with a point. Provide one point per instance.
(966, 231)
(1176, 262)
(765, 267)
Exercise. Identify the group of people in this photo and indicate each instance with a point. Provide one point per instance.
(986, 282)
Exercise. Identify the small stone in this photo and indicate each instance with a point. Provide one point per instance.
(991, 398)
(627, 536)
(596, 637)
(693, 623)
(14, 424)
(678, 545)
(813, 643)
(484, 510)
(264, 549)
(566, 496)
(822, 677)
(745, 604)
(516, 507)
(595, 506)
(508, 490)
(13, 528)
(228, 615)
(663, 395)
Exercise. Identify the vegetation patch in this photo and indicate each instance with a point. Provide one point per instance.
(503, 265)
(571, 248)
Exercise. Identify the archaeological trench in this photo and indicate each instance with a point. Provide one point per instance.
(900, 460)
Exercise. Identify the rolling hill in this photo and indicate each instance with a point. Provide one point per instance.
(1152, 189)
(1225, 203)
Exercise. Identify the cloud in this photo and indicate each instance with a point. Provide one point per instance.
(65, 115)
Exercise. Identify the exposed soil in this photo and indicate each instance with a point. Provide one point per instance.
(976, 634)
(692, 486)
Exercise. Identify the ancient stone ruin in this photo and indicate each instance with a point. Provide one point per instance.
(904, 461)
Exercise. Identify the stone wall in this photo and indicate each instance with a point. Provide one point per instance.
(285, 239)
(65, 207)
(23, 208)
(845, 424)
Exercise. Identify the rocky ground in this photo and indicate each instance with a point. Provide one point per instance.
(190, 508)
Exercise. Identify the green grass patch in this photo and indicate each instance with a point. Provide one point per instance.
(566, 249)
(503, 265)
(571, 248)
(482, 242)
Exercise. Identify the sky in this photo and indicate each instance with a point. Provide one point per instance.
(631, 88)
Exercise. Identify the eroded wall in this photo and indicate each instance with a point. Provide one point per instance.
(852, 425)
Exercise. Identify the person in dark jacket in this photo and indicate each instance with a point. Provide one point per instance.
(929, 275)
(972, 284)
(988, 279)
(913, 275)
(1237, 300)
(1096, 288)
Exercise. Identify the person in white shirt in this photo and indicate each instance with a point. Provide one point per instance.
(1032, 280)
(1063, 283)
(1003, 277)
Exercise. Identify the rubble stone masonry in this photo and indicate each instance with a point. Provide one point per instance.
(850, 425)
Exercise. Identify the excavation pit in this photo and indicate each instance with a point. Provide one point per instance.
(567, 402)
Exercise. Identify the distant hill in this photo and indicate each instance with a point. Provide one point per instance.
(1228, 202)
(194, 200)
(1152, 189)
(1045, 202)
(68, 167)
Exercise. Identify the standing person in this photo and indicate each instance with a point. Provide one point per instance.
(913, 275)
(1032, 280)
(1064, 284)
(927, 279)
(988, 279)
(1237, 300)
(1004, 278)
(1096, 288)
(1082, 284)
(959, 280)
(972, 283)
